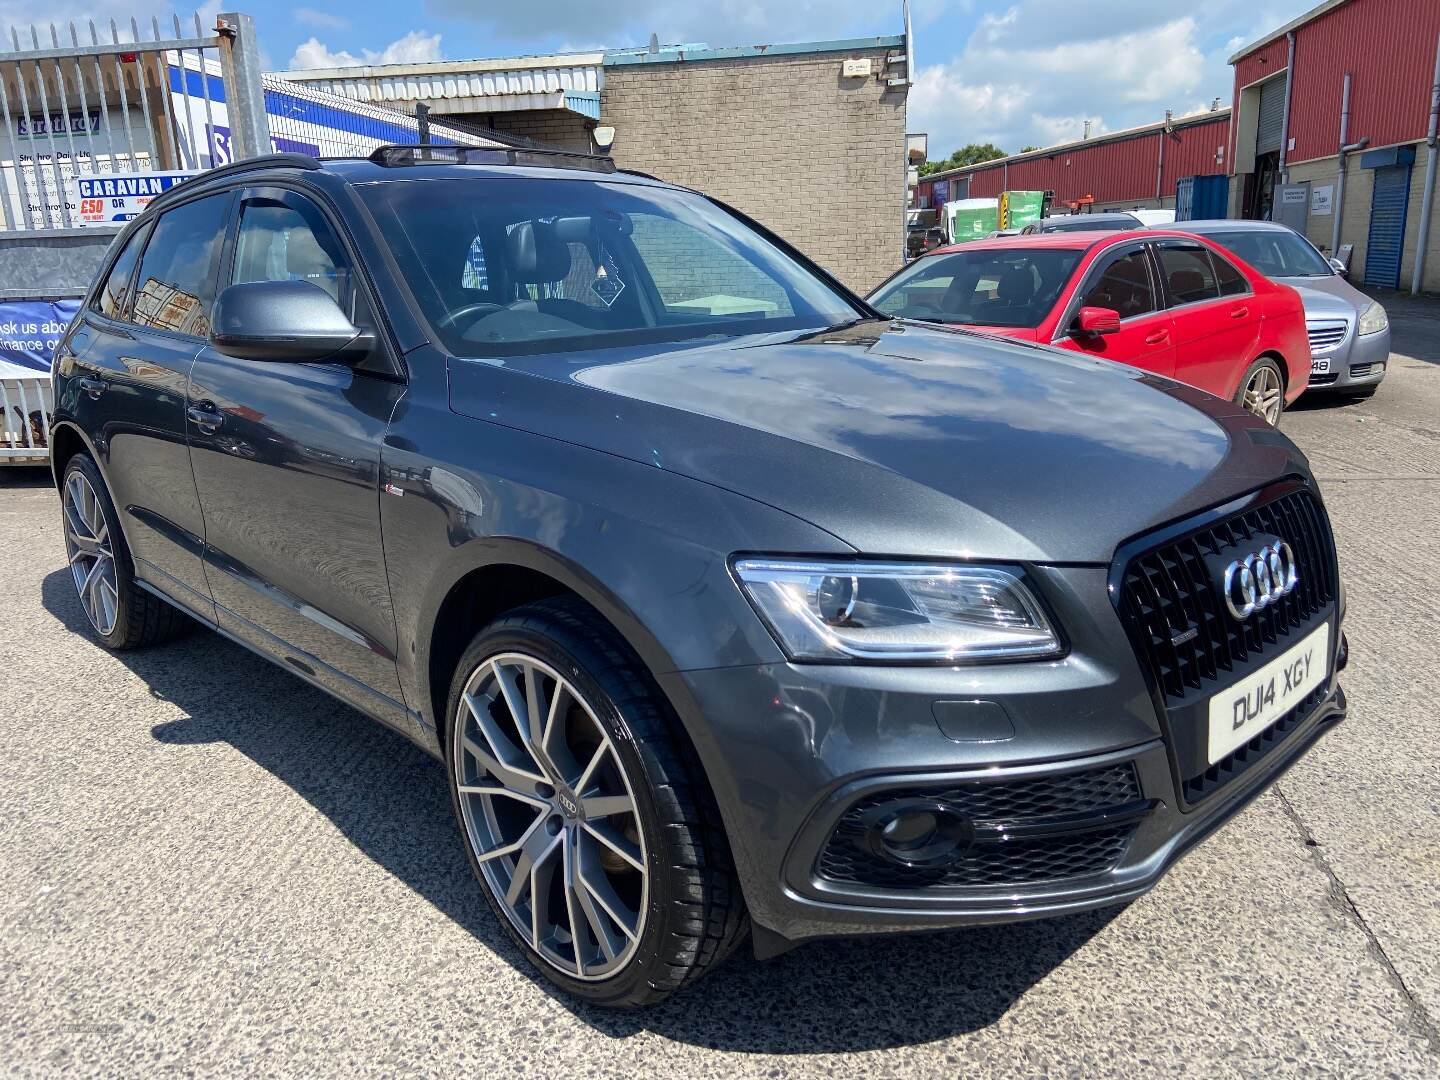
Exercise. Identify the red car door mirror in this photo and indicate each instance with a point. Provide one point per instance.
(1097, 320)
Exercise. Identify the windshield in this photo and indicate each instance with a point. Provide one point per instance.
(503, 265)
(985, 288)
(1273, 252)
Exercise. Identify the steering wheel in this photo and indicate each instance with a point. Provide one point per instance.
(450, 318)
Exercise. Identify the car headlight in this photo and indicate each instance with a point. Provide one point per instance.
(1374, 320)
(897, 612)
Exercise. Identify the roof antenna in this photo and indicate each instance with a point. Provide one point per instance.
(654, 43)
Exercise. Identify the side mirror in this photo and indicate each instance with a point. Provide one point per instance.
(1097, 320)
(292, 321)
(1339, 267)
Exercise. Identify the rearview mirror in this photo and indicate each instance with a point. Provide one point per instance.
(291, 321)
(1097, 320)
(1339, 267)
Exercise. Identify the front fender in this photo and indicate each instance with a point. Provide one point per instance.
(645, 547)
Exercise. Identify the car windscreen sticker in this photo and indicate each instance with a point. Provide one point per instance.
(607, 284)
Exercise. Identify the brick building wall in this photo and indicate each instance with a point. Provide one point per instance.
(549, 127)
(815, 156)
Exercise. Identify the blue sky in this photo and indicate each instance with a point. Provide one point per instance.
(1012, 72)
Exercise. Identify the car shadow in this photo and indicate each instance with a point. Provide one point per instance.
(390, 800)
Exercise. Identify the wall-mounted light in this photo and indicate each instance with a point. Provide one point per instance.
(604, 137)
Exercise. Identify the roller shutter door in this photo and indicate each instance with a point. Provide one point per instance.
(1387, 226)
(1271, 120)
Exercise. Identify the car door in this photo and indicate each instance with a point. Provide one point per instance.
(1217, 326)
(1122, 278)
(286, 458)
(133, 361)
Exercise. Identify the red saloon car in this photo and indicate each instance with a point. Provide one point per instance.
(1164, 301)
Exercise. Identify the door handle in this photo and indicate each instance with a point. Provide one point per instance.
(93, 387)
(205, 416)
(1239, 312)
(1157, 337)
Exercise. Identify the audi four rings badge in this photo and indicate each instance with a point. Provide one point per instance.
(1258, 580)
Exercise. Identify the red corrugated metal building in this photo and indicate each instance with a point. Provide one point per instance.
(1388, 49)
(1137, 167)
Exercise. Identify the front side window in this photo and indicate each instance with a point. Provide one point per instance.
(113, 298)
(176, 285)
(1188, 273)
(1124, 286)
(276, 242)
(986, 287)
(504, 265)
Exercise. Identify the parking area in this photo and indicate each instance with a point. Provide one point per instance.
(210, 867)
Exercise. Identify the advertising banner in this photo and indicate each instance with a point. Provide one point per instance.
(115, 198)
(29, 332)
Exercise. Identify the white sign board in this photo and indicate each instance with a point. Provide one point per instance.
(47, 152)
(115, 198)
(1293, 195)
(1322, 198)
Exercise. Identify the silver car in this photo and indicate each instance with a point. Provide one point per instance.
(1349, 332)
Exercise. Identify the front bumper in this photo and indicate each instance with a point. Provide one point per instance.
(1355, 363)
(790, 749)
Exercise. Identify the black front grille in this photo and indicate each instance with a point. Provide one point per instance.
(1171, 601)
(1323, 379)
(1027, 861)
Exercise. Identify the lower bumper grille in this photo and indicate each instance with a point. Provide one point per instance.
(1323, 379)
(1360, 371)
(1237, 761)
(1027, 831)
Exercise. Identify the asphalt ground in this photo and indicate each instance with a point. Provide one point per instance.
(207, 867)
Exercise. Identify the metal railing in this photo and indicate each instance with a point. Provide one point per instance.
(86, 106)
(25, 421)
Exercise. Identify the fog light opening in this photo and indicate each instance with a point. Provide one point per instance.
(918, 834)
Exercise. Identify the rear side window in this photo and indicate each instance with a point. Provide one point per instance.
(1231, 281)
(176, 286)
(1124, 286)
(1188, 273)
(114, 296)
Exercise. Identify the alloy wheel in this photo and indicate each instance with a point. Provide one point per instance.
(1262, 395)
(92, 557)
(550, 815)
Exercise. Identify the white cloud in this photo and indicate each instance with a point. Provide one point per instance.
(324, 19)
(1007, 88)
(416, 47)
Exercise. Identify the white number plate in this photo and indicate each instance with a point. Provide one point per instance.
(1250, 706)
(1319, 367)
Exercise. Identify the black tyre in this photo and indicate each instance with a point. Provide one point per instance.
(1262, 390)
(121, 614)
(585, 816)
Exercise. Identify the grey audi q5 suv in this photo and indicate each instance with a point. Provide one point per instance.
(731, 606)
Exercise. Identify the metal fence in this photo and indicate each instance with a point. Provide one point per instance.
(25, 421)
(318, 122)
(78, 103)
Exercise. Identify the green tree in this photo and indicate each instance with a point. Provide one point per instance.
(969, 154)
(1028, 149)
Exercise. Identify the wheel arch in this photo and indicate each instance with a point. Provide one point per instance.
(506, 574)
(1271, 353)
